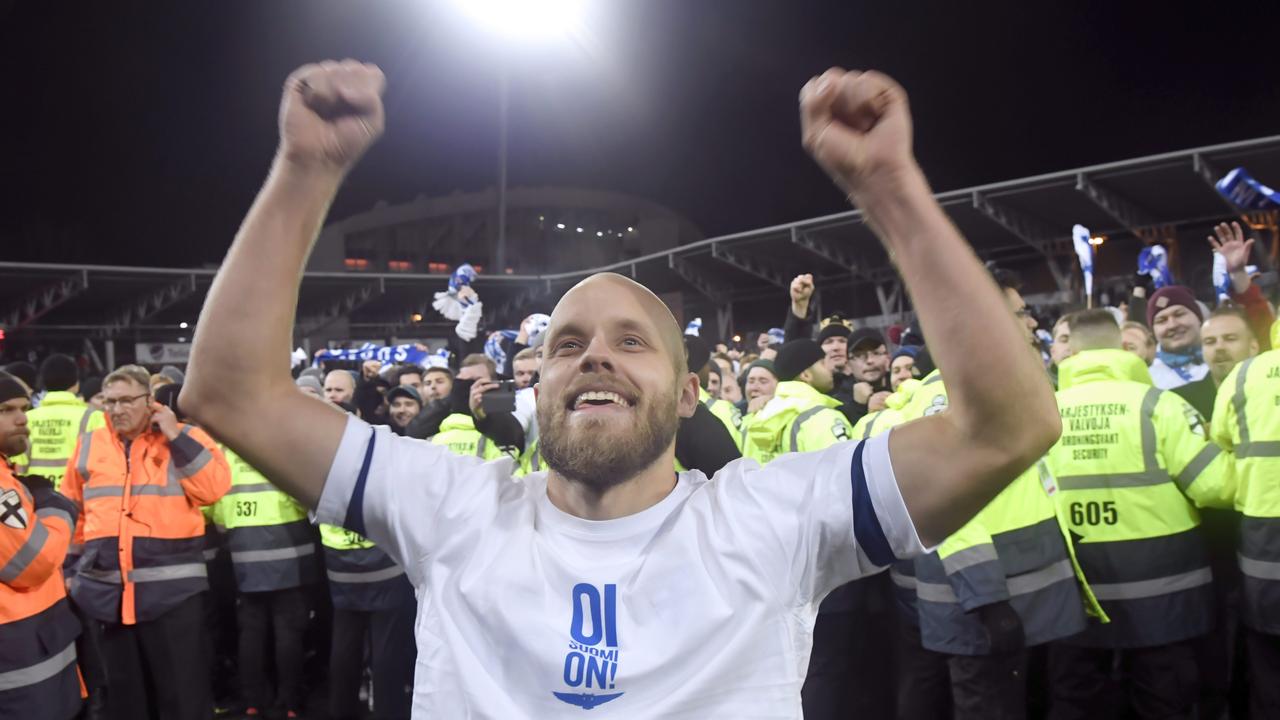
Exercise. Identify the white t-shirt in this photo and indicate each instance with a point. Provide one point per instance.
(701, 606)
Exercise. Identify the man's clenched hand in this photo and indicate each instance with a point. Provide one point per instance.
(330, 114)
(858, 127)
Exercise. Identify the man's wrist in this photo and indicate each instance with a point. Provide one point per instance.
(894, 203)
(1240, 282)
(306, 176)
(800, 310)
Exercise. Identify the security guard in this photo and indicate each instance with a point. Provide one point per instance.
(1129, 458)
(1003, 583)
(38, 679)
(59, 421)
(801, 417)
(372, 598)
(140, 482)
(273, 553)
(1246, 420)
(852, 636)
(458, 430)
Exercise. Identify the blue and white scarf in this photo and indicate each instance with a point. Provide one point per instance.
(1241, 190)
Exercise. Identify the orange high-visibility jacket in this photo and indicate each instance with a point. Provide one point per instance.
(38, 676)
(143, 529)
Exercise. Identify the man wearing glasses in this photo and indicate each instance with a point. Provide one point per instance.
(140, 482)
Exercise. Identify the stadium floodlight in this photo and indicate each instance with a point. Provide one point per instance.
(531, 19)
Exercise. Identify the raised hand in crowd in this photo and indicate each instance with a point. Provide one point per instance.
(369, 369)
(1228, 241)
(801, 293)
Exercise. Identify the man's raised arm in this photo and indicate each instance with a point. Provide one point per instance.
(238, 383)
(1002, 415)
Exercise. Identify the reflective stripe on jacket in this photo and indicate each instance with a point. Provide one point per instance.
(458, 433)
(143, 528)
(797, 418)
(1013, 551)
(361, 577)
(37, 628)
(1129, 458)
(272, 544)
(1246, 421)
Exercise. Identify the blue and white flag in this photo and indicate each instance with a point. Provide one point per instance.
(493, 348)
(1221, 280)
(401, 354)
(1153, 262)
(694, 327)
(777, 336)
(1241, 190)
(1084, 252)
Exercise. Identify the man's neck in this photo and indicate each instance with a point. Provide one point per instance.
(627, 498)
(131, 435)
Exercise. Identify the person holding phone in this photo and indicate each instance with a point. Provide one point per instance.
(481, 424)
(140, 482)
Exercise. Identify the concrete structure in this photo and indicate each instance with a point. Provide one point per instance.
(549, 229)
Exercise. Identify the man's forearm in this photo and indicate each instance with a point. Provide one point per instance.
(993, 380)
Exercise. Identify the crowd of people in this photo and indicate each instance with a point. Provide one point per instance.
(154, 565)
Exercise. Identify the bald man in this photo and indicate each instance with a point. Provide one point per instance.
(339, 386)
(608, 582)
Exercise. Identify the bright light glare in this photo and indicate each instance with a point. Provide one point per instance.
(529, 18)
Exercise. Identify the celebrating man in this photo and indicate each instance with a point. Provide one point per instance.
(610, 582)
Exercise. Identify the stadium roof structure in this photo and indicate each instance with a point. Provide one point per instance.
(1024, 223)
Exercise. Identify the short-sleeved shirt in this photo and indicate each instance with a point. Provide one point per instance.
(699, 606)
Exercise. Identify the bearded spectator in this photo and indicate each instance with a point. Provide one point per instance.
(1175, 317)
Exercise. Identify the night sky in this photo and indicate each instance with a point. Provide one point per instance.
(137, 133)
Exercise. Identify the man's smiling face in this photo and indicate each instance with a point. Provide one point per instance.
(614, 382)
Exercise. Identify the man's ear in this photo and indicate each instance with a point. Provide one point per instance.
(688, 400)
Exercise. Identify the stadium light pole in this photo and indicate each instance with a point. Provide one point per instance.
(515, 22)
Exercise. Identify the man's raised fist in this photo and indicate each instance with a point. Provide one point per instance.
(330, 114)
(857, 126)
(802, 288)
